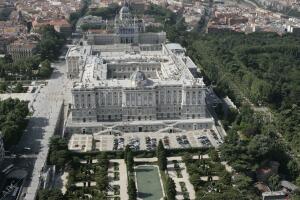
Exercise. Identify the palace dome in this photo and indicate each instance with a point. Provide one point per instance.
(124, 12)
(138, 78)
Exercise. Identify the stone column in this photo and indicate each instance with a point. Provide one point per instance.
(183, 96)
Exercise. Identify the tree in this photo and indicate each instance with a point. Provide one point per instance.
(3, 86)
(260, 146)
(131, 190)
(103, 160)
(295, 196)
(274, 182)
(8, 58)
(226, 178)
(19, 88)
(50, 194)
(86, 27)
(51, 42)
(228, 194)
(59, 154)
(293, 169)
(195, 179)
(187, 158)
(102, 179)
(243, 182)
(127, 149)
(9, 130)
(13, 113)
(219, 110)
(45, 69)
(298, 181)
(231, 115)
(213, 154)
(161, 156)
(171, 189)
(130, 162)
(106, 13)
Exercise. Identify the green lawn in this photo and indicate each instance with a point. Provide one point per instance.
(148, 183)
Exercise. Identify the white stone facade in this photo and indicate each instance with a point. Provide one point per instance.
(127, 29)
(129, 87)
(137, 88)
(155, 102)
(75, 60)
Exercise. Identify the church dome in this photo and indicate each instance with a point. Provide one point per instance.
(138, 78)
(124, 12)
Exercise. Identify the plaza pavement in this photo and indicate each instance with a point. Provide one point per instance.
(21, 96)
(123, 183)
(40, 129)
(105, 142)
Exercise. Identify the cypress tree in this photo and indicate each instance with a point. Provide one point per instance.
(171, 189)
(131, 190)
(161, 156)
(130, 161)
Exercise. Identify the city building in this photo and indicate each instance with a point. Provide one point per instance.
(62, 26)
(276, 195)
(288, 187)
(293, 29)
(47, 10)
(91, 21)
(133, 87)
(244, 18)
(136, 88)
(127, 29)
(3, 43)
(139, 5)
(21, 49)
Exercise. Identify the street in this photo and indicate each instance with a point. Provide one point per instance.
(33, 146)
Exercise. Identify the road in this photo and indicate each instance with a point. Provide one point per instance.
(40, 129)
(207, 16)
(251, 3)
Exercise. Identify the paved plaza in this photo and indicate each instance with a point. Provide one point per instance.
(22, 96)
(138, 141)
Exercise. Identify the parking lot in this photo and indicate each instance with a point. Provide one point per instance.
(149, 140)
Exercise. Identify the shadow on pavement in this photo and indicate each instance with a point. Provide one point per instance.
(143, 195)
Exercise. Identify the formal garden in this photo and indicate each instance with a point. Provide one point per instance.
(172, 174)
(12, 87)
(13, 120)
(113, 175)
(208, 175)
(87, 178)
(147, 177)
